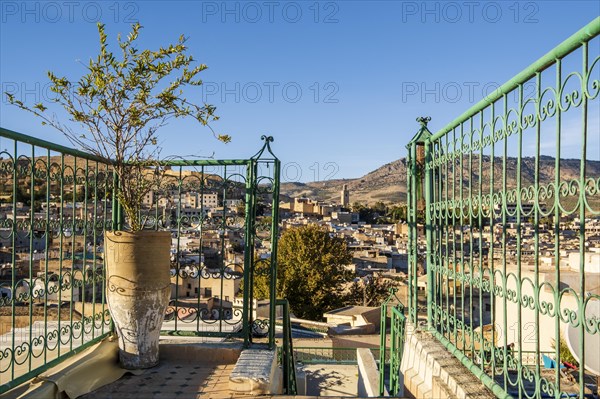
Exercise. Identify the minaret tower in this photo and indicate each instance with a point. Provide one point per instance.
(345, 196)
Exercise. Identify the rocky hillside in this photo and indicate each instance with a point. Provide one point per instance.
(388, 183)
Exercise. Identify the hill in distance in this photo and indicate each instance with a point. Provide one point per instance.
(388, 182)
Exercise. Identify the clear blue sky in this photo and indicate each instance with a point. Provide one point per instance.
(338, 84)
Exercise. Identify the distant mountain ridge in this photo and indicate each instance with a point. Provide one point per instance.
(388, 182)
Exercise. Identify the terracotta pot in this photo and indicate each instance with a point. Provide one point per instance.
(138, 290)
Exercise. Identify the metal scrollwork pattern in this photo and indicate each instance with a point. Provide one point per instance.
(53, 214)
(56, 204)
(222, 220)
(512, 214)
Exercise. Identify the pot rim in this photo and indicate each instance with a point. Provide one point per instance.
(118, 233)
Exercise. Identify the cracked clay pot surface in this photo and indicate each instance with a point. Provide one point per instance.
(138, 290)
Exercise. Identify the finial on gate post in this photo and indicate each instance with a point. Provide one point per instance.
(417, 147)
(266, 146)
(424, 120)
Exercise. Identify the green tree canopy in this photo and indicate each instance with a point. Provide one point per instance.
(311, 272)
(380, 212)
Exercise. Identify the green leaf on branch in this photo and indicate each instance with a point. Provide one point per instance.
(120, 103)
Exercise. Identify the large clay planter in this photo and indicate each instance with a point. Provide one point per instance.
(138, 290)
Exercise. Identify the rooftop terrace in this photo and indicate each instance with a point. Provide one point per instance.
(486, 323)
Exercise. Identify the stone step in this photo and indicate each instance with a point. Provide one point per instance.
(256, 373)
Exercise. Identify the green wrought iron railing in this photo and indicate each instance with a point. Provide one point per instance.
(330, 355)
(286, 352)
(221, 236)
(398, 336)
(53, 214)
(55, 205)
(508, 196)
(391, 357)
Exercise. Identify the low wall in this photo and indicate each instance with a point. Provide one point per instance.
(431, 371)
(368, 375)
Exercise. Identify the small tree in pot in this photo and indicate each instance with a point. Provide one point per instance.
(122, 102)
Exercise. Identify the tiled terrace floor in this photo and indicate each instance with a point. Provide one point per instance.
(188, 380)
(189, 368)
(171, 380)
(191, 380)
(192, 369)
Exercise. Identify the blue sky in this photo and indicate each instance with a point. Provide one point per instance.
(338, 84)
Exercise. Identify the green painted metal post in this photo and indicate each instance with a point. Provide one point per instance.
(429, 233)
(383, 338)
(412, 291)
(382, 347)
(288, 363)
(248, 255)
(273, 260)
(416, 203)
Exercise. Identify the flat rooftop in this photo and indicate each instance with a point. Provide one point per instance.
(351, 310)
